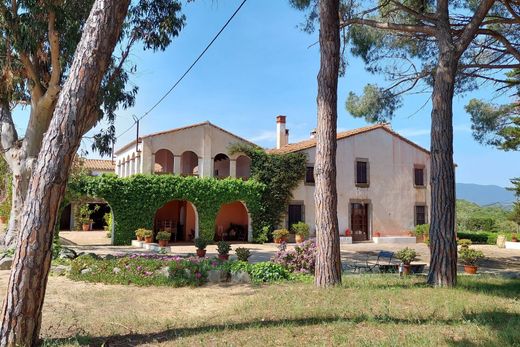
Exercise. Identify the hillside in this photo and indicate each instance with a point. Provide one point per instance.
(485, 194)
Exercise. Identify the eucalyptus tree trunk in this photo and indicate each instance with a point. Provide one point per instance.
(443, 244)
(328, 261)
(73, 116)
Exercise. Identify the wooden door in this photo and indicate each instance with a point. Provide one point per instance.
(295, 215)
(359, 221)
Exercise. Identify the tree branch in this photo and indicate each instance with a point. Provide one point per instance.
(54, 42)
(470, 29)
(425, 17)
(416, 29)
(8, 134)
(504, 41)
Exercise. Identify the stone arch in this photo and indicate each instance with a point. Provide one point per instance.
(221, 166)
(233, 222)
(180, 217)
(164, 162)
(189, 164)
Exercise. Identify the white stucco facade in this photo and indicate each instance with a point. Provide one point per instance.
(391, 195)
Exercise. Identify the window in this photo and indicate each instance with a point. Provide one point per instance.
(418, 176)
(362, 172)
(309, 175)
(420, 215)
(295, 214)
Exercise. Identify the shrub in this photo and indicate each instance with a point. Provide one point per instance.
(262, 236)
(302, 229)
(475, 237)
(480, 224)
(200, 243)
(280, 233)
(301, 259)
(268, 272)
(147, 233)
(406, 255)
(223, 247)
(422, 229)
(163, 235)
(142, 270)
(464, 243)
(470, 256)
(243, 254)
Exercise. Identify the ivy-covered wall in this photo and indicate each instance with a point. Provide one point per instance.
(135, 200)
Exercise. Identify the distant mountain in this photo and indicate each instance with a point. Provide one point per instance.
(485, 194)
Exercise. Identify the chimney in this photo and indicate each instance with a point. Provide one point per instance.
(313, 134)
(282, 134)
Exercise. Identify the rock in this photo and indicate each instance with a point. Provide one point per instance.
(67, 253)
(217, 276)
(240, 277)
(60, 270)
(5, 263)
(86, 271)
(93, 255)
(116, 270)
(164, 271)
(109, 257)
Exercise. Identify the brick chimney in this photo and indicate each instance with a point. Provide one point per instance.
(282, 133)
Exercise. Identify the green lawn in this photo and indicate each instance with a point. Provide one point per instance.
(366, 311)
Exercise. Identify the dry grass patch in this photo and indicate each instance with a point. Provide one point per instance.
(365, 311)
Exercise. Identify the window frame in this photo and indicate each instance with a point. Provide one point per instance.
(423, 168)
(306, 182)
(367, 163)
(415, 213)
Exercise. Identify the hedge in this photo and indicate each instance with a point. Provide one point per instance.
(482, 237)
(135, 200)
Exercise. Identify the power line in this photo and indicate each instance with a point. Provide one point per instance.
(187, 71)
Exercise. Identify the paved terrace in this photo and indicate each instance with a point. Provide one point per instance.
(505, 261)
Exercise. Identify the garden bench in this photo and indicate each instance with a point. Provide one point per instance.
(383, 263)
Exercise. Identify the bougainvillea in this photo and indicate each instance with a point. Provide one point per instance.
(135, 200)
(301, 259)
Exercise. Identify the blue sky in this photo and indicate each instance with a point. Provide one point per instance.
(260, 67)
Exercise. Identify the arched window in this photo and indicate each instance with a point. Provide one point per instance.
(163, 162)
(221, 166)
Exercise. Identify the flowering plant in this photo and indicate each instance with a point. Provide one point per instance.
(301, 259)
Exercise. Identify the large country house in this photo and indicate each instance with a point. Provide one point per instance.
(382, 180)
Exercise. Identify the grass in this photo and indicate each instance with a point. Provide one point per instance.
(368, 310)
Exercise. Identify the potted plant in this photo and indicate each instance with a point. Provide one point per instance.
(84, 217)
(201, 245)
(139, 233)
(280, 235)
(514, 238)
(163, 237)
(377, 234)
(470, 257)
(348, 232)
(148, 236)
(301, 230)
(406, 255)
(464, 243)
(243, 254)
(223, 249)
(421, 232)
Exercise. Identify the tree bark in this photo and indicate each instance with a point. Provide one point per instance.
(73, 117)
(328, 261)
(443, 244)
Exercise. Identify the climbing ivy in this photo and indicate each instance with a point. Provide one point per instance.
(281, 174)
(135, 200)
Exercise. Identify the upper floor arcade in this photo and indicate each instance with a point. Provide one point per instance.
(198, 150)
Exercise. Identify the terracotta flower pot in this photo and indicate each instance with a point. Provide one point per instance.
(223, 256)
(406, 269)
(85, 227)
(377, 234)
(514, 239)
(140, 238)
(163, 243)
(3, 220)
(470, 269)
(299, 238)
(148, 239)
(278, 240)
(201, 253)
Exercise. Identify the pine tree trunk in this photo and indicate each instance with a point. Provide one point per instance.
(328, 261)
(443, 244)
(74, 116)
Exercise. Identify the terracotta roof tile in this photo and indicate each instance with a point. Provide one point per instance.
(99, 164)
(306, 144)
